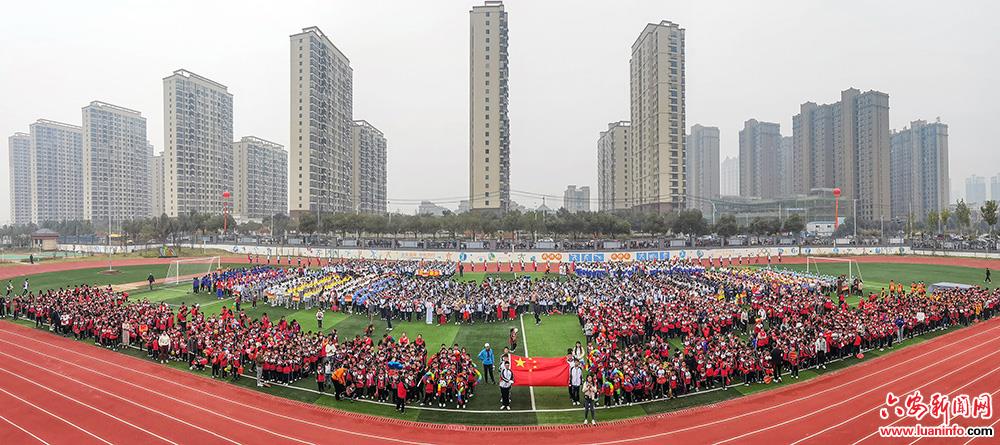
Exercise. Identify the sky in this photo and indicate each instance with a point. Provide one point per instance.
(568, 72)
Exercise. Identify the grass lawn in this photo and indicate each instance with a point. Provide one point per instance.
(551, 338)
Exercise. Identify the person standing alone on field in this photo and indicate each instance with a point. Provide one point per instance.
(506, 381)
(319, 320)
(589, 398)
(486, 356)
(988, 280)
(151, 279)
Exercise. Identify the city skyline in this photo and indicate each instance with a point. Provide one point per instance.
(542, 90)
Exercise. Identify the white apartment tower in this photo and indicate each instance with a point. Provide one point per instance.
(115, 164)
(729, 181)
(19, 157)
(321, 117)
(198, 141)
(702, 169)
(156, 181)
(613, 169)
(576, 199)
(760, 147)
(368, 147)
(260, 179)
(920, 181)
(846, 145)
(658, 118)
(56, 172)
(489, 125)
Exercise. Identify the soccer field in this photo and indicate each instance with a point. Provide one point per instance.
(550, 339)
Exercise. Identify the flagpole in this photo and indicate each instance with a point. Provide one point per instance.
(524, 339)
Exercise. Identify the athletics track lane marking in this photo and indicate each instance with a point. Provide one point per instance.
(89, 406)
(24, 430)
(120, 397)
(214, 396)
(795, 419)
(524, 338)
(57, 417)
(771, 407)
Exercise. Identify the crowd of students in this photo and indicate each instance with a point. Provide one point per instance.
(656, 329)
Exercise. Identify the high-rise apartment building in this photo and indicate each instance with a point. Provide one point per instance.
(56, 172)
(260, 178)
(975, 190)
(489, 125)
(613, 169)
(658, 118)
(845, 145)
(729, 180)
(368, 148)
(918, 161)
(785, 170)
(322, 116)
(115, 164)
(198, 143)
(702, 170)
(156, 181)
(760, 147)
(19, 164)
(995, 188)
(576, 199)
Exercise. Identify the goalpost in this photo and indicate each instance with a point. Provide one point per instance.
(812, 266)
(184, 270)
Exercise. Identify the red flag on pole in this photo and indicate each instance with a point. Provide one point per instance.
(539, 371)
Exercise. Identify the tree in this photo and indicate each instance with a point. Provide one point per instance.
(794, 224)
(989, 212)
(727, 226)
(690, 222)
(932, 220)
(963, 215)
(945, 215)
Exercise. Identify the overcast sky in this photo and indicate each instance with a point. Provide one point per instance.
(568, 72)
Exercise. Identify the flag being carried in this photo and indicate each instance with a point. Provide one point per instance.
(539, 371)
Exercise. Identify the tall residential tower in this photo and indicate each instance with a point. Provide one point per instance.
(489, 126)
(260, 178)
(19, 152)
(115, 164)
(658, 118)
(198, 143)
(322, 115)
(702, 167)
(760, 148)
(56, 172)
(845, 145)
(919, 170)
(368, 148)
(613, 152)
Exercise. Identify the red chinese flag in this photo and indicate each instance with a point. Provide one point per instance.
(539, 371)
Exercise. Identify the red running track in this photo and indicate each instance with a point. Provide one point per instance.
(56, 390)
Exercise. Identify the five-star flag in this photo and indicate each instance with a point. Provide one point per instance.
(539, 371)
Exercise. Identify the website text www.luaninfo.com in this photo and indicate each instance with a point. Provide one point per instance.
(935, 431)
(938, 408)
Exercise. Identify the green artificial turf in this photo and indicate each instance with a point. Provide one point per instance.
(551, 338)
